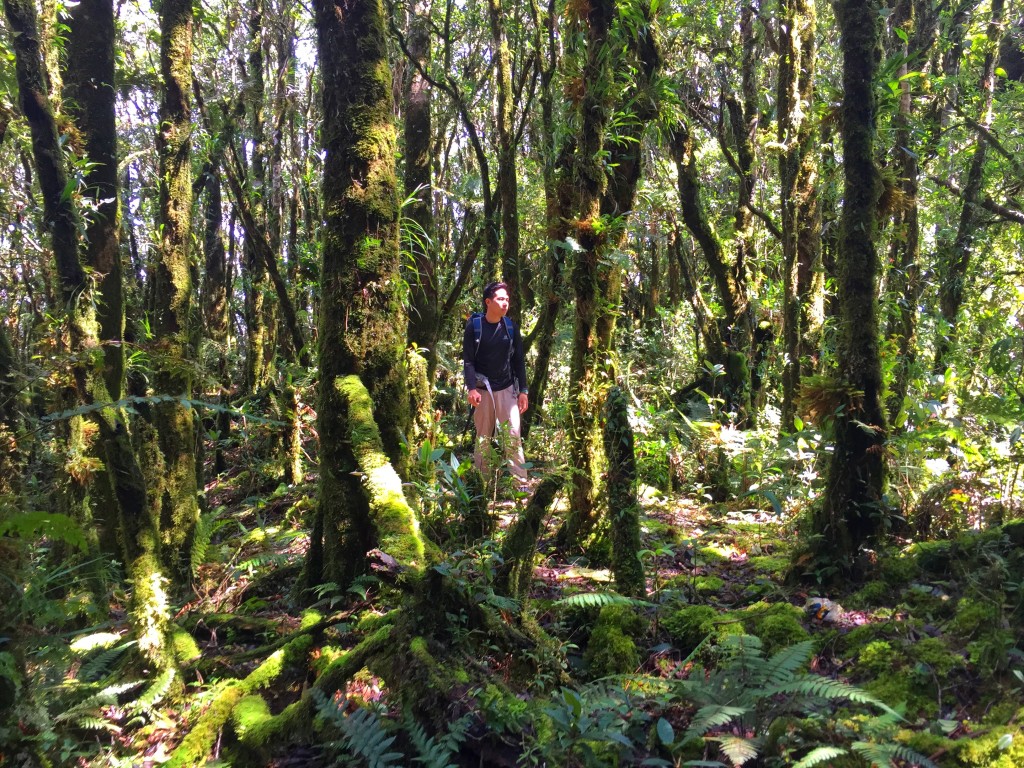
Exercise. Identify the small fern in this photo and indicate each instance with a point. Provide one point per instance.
(886, 755)
(599, 600)
(437, 751)
(208, 525)
(819, 755)
(155, 693)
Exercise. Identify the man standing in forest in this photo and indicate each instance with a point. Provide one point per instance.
(495, 370)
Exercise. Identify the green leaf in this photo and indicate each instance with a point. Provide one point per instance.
(666, 733)
(1004, 742)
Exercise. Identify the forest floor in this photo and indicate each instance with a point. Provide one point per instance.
(936, 635)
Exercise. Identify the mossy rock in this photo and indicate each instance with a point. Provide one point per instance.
(778, 625)
(612, 649)
(975, 617)
(779, 631)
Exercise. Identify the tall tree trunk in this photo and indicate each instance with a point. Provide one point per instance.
(798, 197)
(852, 513)
(555, 161)
(904, 282)
(140, 538)
(424, 310)
(173, 324)
(592, 115)
(215, 302)
(508, 194)
(362, 321)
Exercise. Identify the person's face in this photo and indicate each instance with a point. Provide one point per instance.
(499, 301)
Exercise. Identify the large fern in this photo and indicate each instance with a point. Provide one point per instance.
(363, 736)
(746, 693)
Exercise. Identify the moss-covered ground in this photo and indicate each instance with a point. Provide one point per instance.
(935, 634)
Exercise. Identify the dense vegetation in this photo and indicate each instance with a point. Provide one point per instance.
(765, 257)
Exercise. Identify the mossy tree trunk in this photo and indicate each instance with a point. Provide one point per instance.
(508, 193)
(623, 504)
(362, 321)
(173, 323)
(556, 160)
(424, 310)
(129, 488)
(591, 115)
(852, 513)
(913, 28)
(800, 220)
(729, 284)
(215, 300)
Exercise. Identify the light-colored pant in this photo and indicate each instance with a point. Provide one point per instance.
(506, 405)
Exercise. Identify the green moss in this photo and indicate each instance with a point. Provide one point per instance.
(936, 655)
(249, 712)
(707, 585)
(612, 650)
(974, 617)
(871, 594)
(183, 645)
(711, 554)
(990, 749)
(877, 657)
(775, 566)
(898, 571)
(690, 625)
(778, 631)
(933, 557)
(502, 710)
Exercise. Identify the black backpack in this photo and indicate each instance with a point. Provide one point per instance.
(477, 320)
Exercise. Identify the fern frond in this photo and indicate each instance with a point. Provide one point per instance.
(819, 755)
(362, 733)
(825, 688)
(208, 525)
(712, 716)
(367, 739)
(99, 665)
(598, 600)
(737, 749)
(93, 723)
(886, 755)
(783, 666)
(262, 560)
(155, 692)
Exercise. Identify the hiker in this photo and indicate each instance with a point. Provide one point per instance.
(495, 369)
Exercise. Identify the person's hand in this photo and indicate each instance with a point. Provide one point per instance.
(524, 402)
(474, 397)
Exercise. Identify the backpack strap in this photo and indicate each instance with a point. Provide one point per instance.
(477, 322)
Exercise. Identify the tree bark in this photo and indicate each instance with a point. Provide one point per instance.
(852, 513)
(362, 321)
(173, 325)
